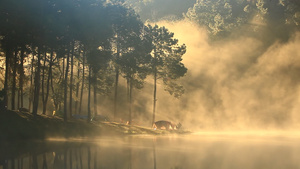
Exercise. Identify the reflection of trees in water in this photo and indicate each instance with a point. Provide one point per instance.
(154, 155)
(45, 166)
(82, 156)
(66, 158)
(154, 152)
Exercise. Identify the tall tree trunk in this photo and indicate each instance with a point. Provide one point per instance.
(82, 85)
(116, 94)
(66, 89)
(43, 82)
(14, 76)
(56, 104)
(130, 100)
(71, 81)
(154, 88)
(129, 95)
(63, 68)
(21, 72)
(48, 82)
(154, 97)
(95, 95)
(37, 84)
(77, 87)
(9, 55)
(18, 96)
(117, 80)
(89, 96)
(31, 85)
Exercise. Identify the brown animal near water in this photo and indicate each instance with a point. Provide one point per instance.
(166, 125)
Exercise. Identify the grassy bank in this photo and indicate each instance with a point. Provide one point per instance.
(16, 125)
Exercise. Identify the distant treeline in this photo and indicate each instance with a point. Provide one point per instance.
(56, 50)
(224, 17)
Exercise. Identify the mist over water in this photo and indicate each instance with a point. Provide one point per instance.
(201, 150)
(246, 81)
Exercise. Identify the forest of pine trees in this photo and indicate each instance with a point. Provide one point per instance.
(62, 51)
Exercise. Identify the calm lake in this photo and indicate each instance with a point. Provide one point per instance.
(196, 151)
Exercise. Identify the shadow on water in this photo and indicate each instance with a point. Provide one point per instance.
(154, 152)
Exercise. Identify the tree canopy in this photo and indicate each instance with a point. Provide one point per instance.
(223, 17)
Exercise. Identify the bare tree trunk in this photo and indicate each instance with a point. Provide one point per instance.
(89, 96)
(9, 55)
(130, 102)
(43, 82)
(21, 72)
(82, 85)
(56, 104)
(63, 68)
(129, 95)
(37, 84)
(19, 96)
(48, 83)
(66, 89)
(31, 85)
(117, 81)
(71, 81)
(154, 88)
(77, 87)
(14, 76)
(116, 94)
(154, 98)
(95, 95)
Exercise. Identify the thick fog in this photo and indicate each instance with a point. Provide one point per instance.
(238, 82)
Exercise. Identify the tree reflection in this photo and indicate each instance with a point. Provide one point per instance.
(34, 161)
(71, 162)
(154, 155)
(95, 159)
(89, 157)
(20, 163)
(45, 166)
(81, 156)
(58, 160)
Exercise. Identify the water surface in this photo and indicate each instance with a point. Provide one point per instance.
(198, 151)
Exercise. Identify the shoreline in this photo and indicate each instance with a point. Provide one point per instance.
(15, 125)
